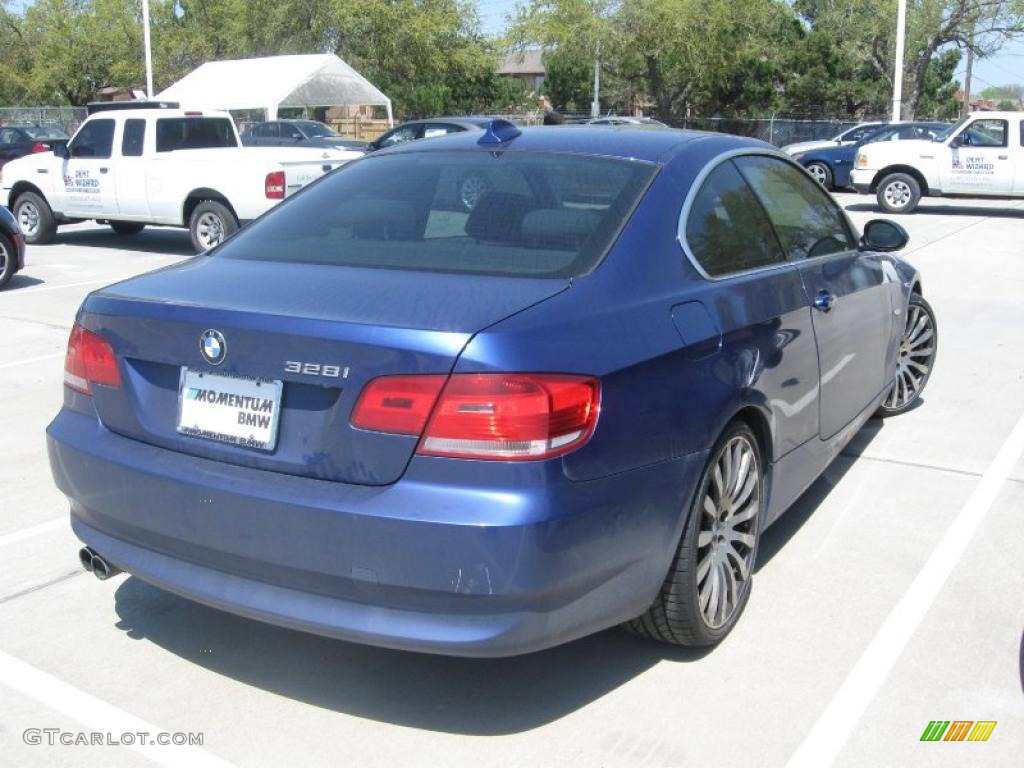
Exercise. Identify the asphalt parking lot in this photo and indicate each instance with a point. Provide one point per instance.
(887, 597)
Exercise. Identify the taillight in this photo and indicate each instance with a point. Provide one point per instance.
(89, 360)
(273, 187)
(40, 147)
(507, 416)
(400, 405)
(512, 416)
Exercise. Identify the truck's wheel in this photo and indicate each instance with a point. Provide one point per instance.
(898, 193)
(127, 227)
(211, 224)
(35, 218)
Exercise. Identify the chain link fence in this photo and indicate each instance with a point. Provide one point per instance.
(779, 131)
(66, 118)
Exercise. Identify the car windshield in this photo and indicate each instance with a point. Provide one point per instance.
(943, 135)
(492, 213)
(41, 133)
(318, 130)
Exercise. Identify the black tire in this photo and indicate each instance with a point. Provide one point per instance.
(127, 227)
(676, 616)
(821, 173)
(35, 217)
(210, 224)
(8, 259)
(898, 193)
(918, 348)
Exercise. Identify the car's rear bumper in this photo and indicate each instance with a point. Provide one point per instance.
(468, 568)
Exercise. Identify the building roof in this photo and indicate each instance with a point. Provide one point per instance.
(527, 62)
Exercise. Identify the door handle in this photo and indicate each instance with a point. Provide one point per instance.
(1004, 157)
(824, 300)
(104, 170)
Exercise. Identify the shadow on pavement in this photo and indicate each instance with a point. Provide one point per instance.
(948, 210)
(438, 693)
(776, 536)
(21, 281)
(160, 240)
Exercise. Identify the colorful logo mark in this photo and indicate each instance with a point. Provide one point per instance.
(958, 730)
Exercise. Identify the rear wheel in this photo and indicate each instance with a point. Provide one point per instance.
(821, 173)
(916, 358)
(211, 224)
(35, 218)
(708, 582)
(8, 259)
(898, 193)
(127, 227)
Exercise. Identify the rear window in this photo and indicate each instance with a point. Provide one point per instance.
(173, 133)
(496, 213)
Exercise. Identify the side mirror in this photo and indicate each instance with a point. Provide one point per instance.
(957, 141)
(884, 235)
(60, 149)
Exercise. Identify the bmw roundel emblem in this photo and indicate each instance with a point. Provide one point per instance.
(213, 347)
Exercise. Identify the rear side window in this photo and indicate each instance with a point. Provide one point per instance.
(95, 139)
(133, 138)
(806, 221)
(727, 229)
(493, 213)
(173, 133)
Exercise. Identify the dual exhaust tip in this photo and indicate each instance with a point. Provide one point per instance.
(94, 563)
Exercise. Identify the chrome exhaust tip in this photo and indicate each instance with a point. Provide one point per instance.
(85, 557)
(101, 569)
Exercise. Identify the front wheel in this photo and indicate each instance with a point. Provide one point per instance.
(915, 360)
(821, 173)
(211, 224)
(8, 259)
(35, 218)
(708, 581)
(898, 193)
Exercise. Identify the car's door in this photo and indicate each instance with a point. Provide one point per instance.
(758, 301)
(978, 159)
(853, 312)
(1017, 153)
(88, 190)
(130, 171)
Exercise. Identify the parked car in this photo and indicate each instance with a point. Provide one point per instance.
(832, 166)
(159, 165)
(297, 133)
(981, 156)
(624, 120)
(849, 136)
(489, 432)
(431, 128)
(12, 247)
(20, 140)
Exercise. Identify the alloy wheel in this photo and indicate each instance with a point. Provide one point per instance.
(210, 230)
(916, 354)
(898, 194)
(471, 190)
(819, 173)
(727, 538)
(28, 218)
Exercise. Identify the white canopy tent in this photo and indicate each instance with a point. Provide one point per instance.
(271, 82)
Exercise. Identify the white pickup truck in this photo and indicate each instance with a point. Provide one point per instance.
(981, 156)
(132, 167)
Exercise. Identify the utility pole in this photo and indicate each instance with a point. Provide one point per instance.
(965, 107)
(149, 53)
(595, 105)
(897, 80)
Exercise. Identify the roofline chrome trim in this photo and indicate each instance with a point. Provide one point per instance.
(698, 182)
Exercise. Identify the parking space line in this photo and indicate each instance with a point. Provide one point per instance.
(833, 728)
(29, 360)
(100, 716)
(40, 289)
(35, 530)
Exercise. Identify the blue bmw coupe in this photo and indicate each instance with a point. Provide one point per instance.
(376, 415)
